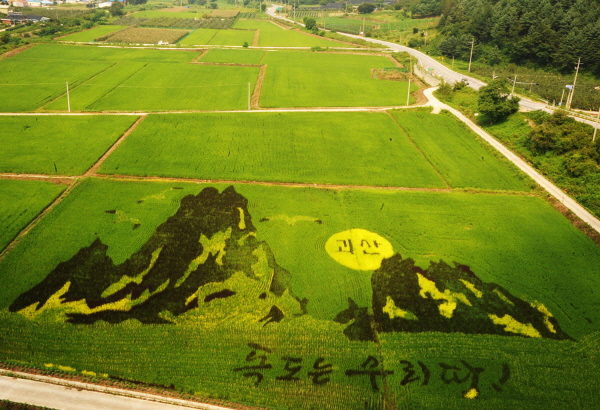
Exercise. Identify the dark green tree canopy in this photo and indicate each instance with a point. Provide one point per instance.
(494, 101)
(366, 8)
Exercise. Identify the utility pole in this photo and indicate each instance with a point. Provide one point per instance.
(596, 127)
(570, 99)
(561, 98)
(513, 87)
(471, 56)
(68, 98)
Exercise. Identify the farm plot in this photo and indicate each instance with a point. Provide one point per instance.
(234, 56)
(334, 148)
(272, 35)
(20, 202)
(57, 145)
(27, 84)
(167, 87)
(232, 37)
(141, 35)
(457, 153)
(92, 34)
(37, 76)
(199, 36)
(301, 79)
(74, 54)
(265, 280)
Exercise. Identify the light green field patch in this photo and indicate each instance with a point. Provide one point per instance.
(272, 35)
(166, 87)
(57, 145)
(92, 34)
(232, 38)
(201, 36)
(20, 202)
(218, 55)
(346, 148)
(96, 87)
(304, 79)
(458, 154)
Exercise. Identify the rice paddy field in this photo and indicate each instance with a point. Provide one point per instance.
(297, 79)
(92, 34)
(20, 202)
(385, 259)
(272, 35)
(57, 145)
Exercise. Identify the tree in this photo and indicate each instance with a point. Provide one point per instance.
(5, 38)
(310, 23)
(366, 8)
(137, 1)
(494, 102)
(116, 9)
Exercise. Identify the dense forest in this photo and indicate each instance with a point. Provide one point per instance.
(544, 33)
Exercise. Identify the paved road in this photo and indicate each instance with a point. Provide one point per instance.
(441, 70)
(67, 395)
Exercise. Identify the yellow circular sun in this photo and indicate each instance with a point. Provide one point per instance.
(359, 249)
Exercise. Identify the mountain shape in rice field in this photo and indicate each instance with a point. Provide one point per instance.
(204, 254)
(443, 298)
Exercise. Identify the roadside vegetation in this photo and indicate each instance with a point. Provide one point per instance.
(558, 146)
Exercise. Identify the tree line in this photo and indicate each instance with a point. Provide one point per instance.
(543, 33)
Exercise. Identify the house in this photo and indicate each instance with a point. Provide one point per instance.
(37, 19)
(14, 18)
(20, 3)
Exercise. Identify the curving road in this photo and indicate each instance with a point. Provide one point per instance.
(439, 69)
(451, 77)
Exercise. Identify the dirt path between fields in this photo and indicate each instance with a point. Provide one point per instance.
(255, 100)
(94, 168)
(255, 38)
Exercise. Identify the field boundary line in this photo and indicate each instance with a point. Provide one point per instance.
(255, 38)
(63, 179)
(99, 388)
(35, 221)
(255, 100)
(94, 168)
(117, 85)
(309, 185)
(228, 64)
(418, 148)
(202, 54)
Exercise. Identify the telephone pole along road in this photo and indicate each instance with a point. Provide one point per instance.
(448, 75)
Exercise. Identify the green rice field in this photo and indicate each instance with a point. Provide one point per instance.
(298, 79)
(272, 35)
(57, 145)
(201, 36)
(234, 56)
(278, 259)
(355, 148)
(333, 148)
(20, 202)
(92, 34)
(426, 226)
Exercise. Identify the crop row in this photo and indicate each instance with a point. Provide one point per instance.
(168, 22)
